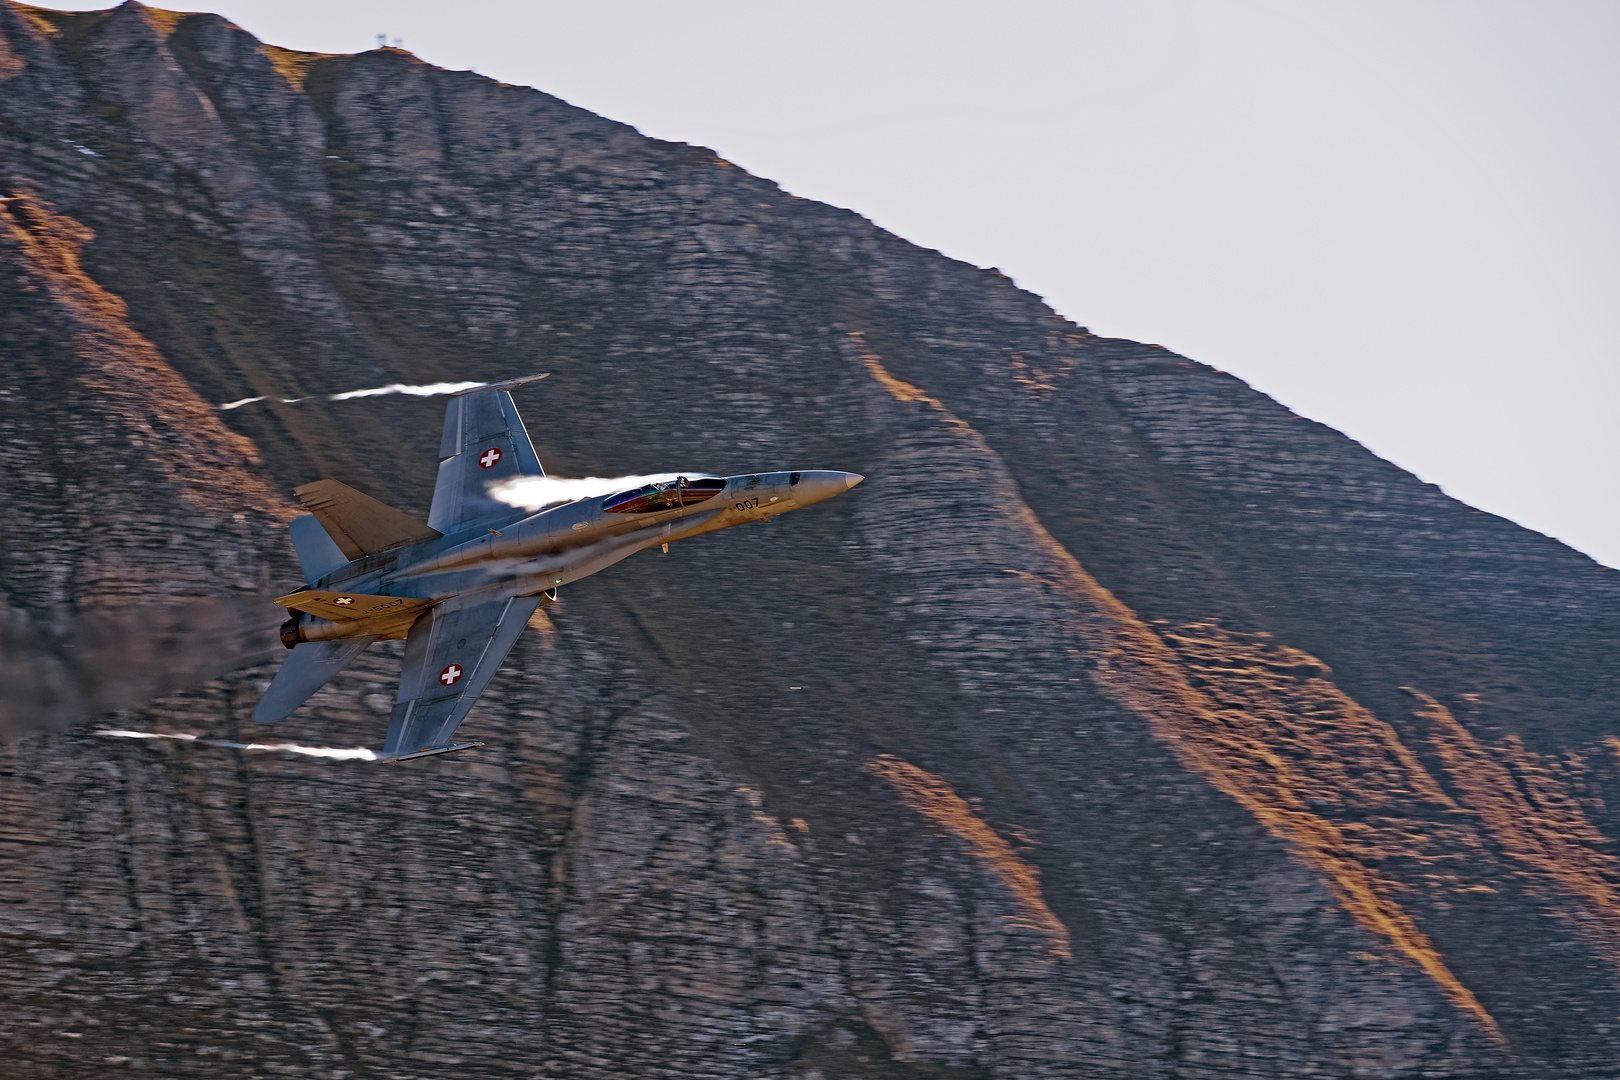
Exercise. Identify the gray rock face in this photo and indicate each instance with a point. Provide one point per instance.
(1121, 724)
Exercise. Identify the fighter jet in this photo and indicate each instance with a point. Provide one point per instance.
(460, 588)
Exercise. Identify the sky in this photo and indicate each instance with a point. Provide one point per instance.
(1397, 217)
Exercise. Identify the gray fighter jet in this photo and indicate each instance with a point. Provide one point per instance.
(461, 588)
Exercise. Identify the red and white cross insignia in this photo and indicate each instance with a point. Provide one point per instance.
(488, 458)
(344, 601)
(450, 675)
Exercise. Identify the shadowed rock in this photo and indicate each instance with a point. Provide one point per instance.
(1122, 723)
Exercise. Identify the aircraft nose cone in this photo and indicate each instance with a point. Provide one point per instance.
(812, 487)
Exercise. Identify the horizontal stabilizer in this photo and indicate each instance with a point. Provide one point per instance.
(351, 607)
(309, 667)
(357, 523)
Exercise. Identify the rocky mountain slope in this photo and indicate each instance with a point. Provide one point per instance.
(1122, 723)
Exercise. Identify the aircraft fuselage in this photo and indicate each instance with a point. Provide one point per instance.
(529, 554)
(500, 538)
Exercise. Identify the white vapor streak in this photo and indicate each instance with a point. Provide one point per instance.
(429, 390)
(341, 753)
(539, 492)
(424, 390)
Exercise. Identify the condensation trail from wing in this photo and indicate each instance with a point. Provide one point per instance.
(340, 753)
(422, 390)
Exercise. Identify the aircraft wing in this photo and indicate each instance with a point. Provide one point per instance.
(450, 656)
(484, 442)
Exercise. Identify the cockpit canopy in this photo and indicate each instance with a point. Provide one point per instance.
(671, 494)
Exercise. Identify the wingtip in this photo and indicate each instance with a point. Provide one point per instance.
(508, 384)
(262, 715)
(432, 751)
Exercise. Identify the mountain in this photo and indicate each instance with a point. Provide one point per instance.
(1122, 723)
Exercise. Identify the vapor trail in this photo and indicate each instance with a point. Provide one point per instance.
(539, 492)
(423, 390)
(426, 390)
(341, 753)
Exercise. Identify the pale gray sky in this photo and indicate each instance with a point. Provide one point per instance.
(1396, 216)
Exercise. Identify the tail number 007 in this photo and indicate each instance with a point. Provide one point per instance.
(748, 504)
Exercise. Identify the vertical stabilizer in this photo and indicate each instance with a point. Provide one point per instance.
(309, 667)
(317, 554)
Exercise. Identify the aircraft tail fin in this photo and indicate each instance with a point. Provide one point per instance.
(358, 524)
(307, 668)
(317, 554)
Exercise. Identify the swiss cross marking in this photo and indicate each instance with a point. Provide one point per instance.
(450, 675)
(488, 458)
(344, 601)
